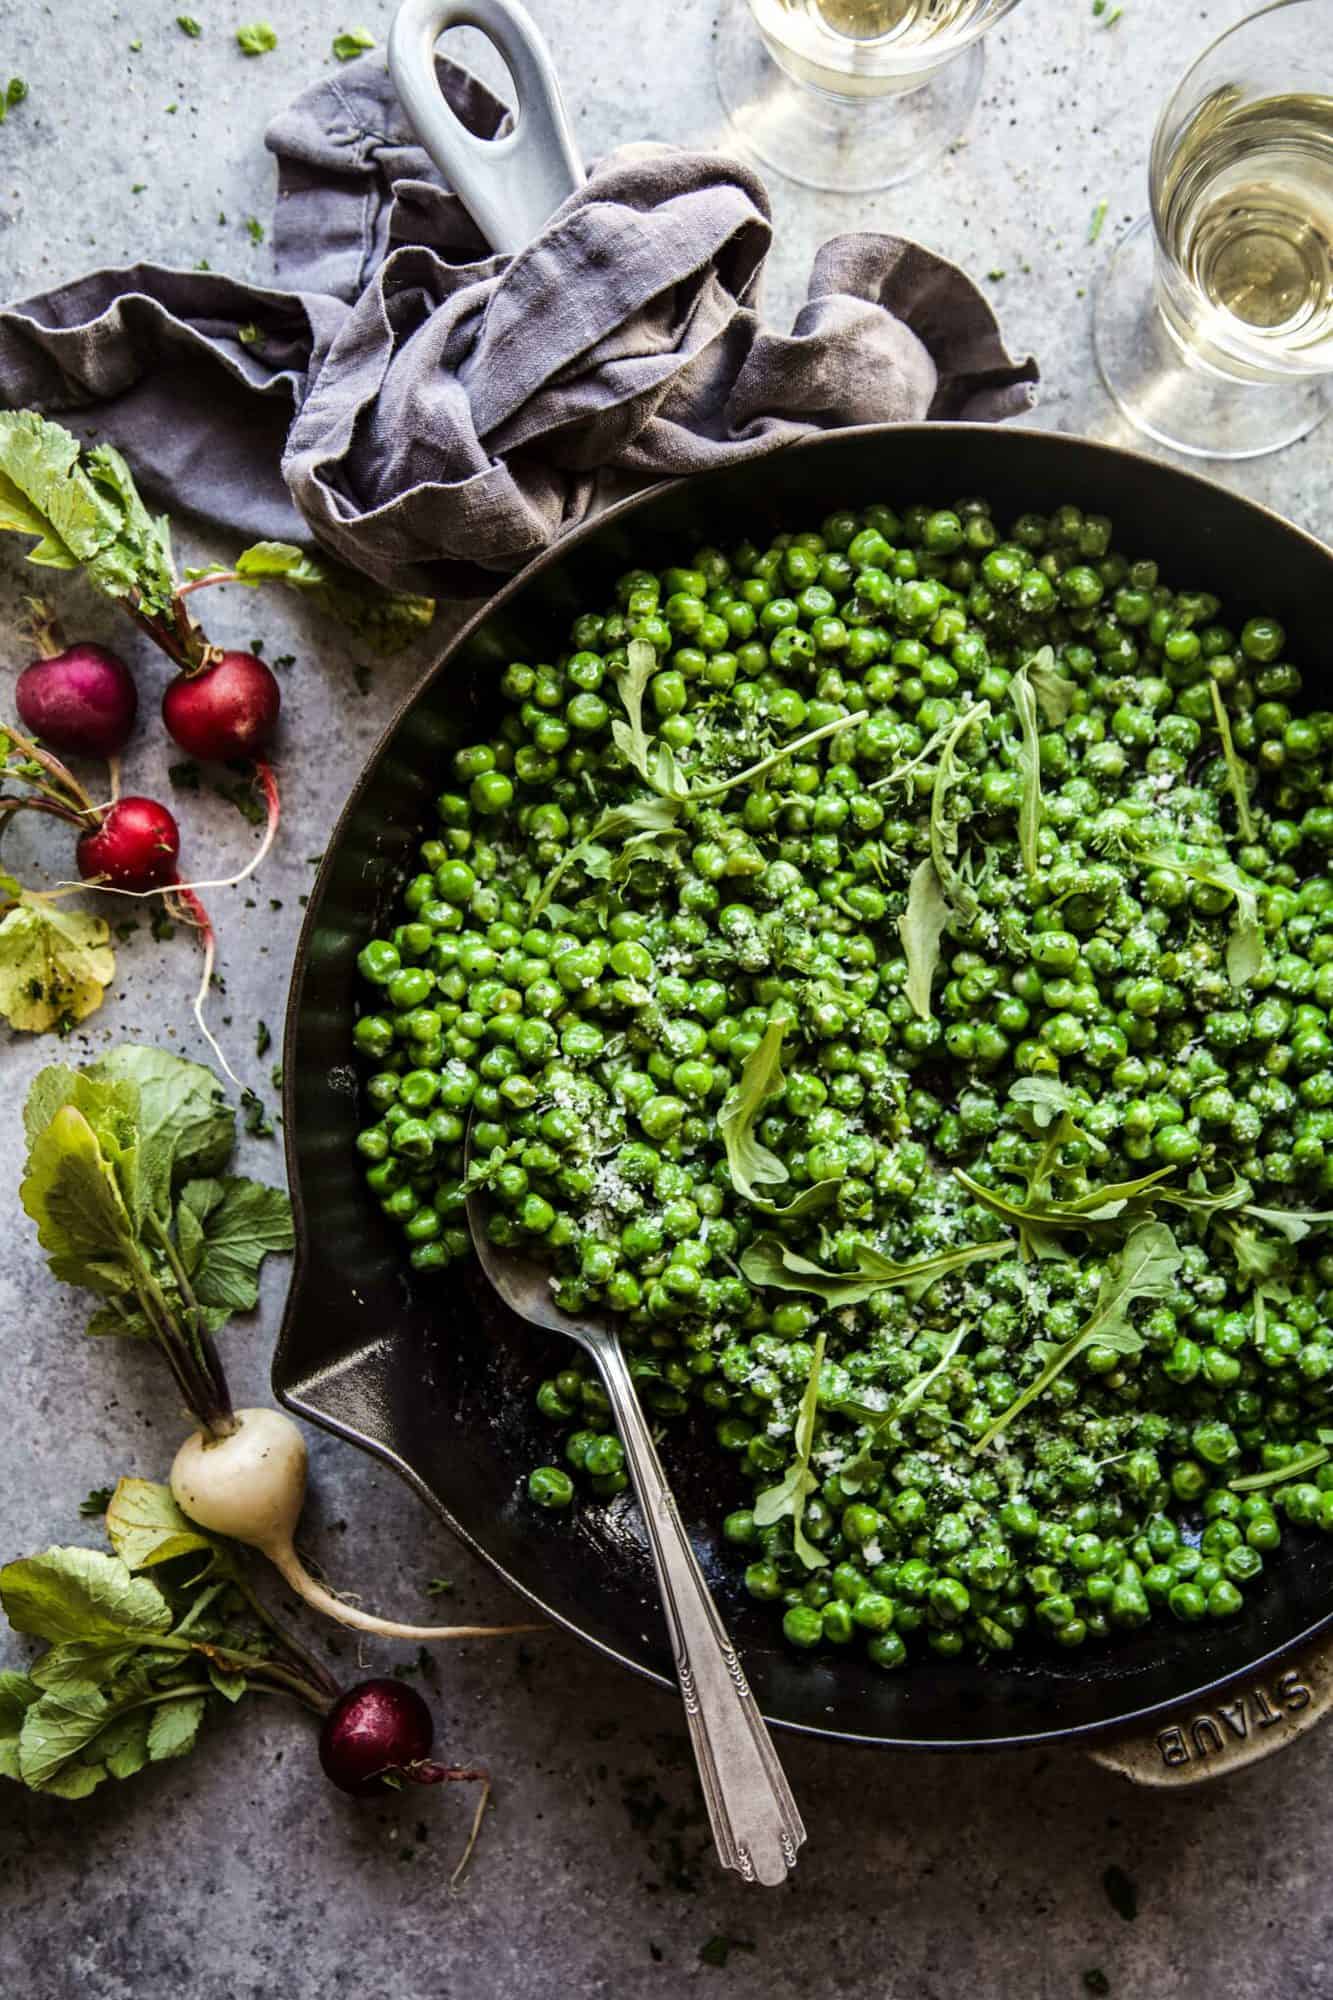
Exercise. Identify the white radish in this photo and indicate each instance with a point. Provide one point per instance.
(249, 1485)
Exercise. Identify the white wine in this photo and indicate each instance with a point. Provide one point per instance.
(1245, 209)
(863, 47)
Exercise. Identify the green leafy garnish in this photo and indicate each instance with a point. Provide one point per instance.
(1055, 694)
(257, 39)
(769, 1262)
(1145, 1269)
(921, 927)
(1295, 1468)
(859, 1471)
(352, 42)
(789, 1496)
(13, 93)
(761, 1077)
(1029, 770)
(189, 26)
(1245, 949)
(55, 963)
(1236, 771)
(1099, 1205)
(384, 618)
(957, 891)
(1294, 1224)
(123, 1181)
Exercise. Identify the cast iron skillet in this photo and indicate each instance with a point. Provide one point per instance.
(433, 1377)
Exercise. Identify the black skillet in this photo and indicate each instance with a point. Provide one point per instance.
(431, 1375)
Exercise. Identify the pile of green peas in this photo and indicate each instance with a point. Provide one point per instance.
(590, 1023)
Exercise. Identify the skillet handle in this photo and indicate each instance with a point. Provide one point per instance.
(1248, 1722)
(510, 186)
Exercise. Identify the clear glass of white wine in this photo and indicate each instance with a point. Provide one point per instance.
(1214, 322)
(851, 95)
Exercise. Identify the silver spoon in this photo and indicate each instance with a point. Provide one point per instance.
(510, 186)
(753, 1815)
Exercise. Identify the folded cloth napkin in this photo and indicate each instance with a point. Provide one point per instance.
(434, 414)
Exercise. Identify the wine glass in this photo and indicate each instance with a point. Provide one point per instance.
(1213, 324)
(851, 95)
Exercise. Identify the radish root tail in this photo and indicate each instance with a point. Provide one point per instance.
(194, 912)
(299, 1579)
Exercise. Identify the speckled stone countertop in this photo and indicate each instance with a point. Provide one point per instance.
(239, 1874)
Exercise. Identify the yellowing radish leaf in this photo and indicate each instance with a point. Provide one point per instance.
(55, 965)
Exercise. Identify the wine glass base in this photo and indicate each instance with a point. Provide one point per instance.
(1171, 399)
(845, 145)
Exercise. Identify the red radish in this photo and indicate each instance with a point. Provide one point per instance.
(134, 846)
(377, 1729)
(378, 1735)
(81, 700)
(227, 710)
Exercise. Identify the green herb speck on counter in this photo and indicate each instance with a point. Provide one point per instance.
(257, 39)
(351, 43)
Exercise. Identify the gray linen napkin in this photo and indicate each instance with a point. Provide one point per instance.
(436, 415)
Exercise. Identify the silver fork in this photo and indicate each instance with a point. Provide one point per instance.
(756, 1826)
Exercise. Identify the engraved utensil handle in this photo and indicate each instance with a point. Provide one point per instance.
(1243, 1724)
(750, 1807)
(509, 186)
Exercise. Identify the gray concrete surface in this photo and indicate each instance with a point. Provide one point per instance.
(239, 1873)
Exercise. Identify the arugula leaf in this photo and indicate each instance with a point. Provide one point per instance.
(655, 815)
(943, 826)
(1295, 1468)
(1245, 949)
(352, 43)
(768, 1262)
(81, 1594)
(1258, 1258)
(386, 619)
(55, 965)
(1085, 1211)
(1293, 1223)
(789, 1496)
(1043, 1099)
(1053, 691)
(631, 739)
(239, 1223)
(1237, 772)
(1029, 771)
(808, 1202)
(1145, 1269)
(1202, 1200)
(761, 1078)
(857, 1472)
(145, 1526)
(921, 927)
